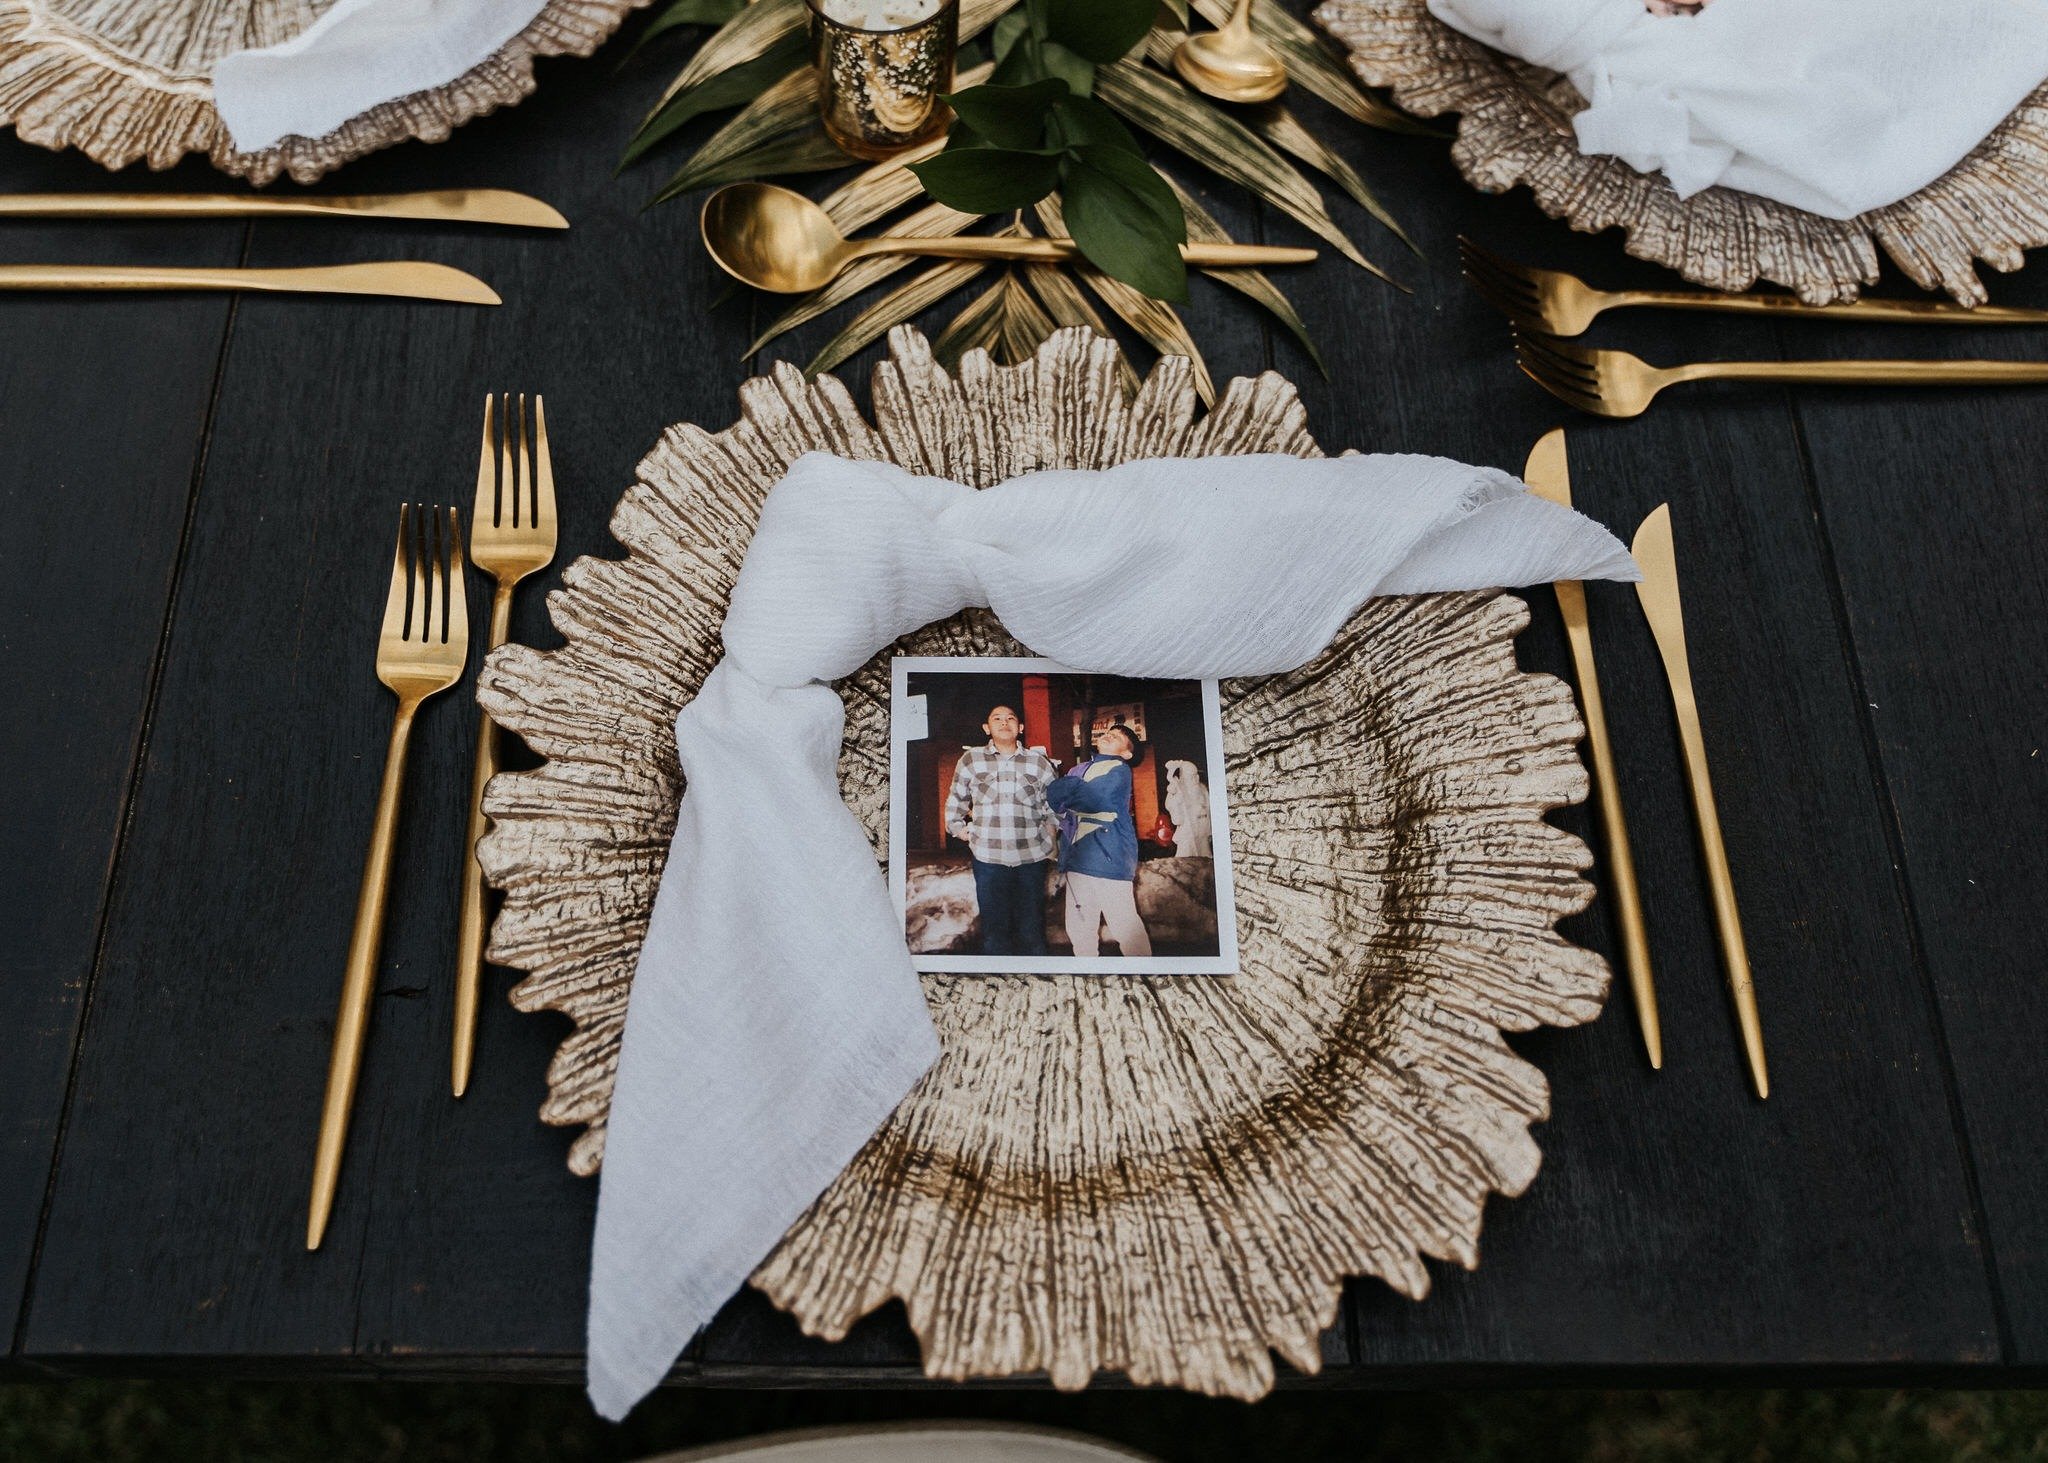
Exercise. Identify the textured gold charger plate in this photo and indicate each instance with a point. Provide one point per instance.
(131, 80)
(1166, 1176)
(1514, 126)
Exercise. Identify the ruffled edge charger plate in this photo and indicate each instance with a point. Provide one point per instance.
(1165, 1176)
(125, 81)
(1514, 126)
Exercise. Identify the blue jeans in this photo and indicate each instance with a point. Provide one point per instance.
(1011, 900)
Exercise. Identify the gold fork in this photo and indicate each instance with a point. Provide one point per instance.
(512, 534)
(421, 650)
(1557, 303)
(1611, 383)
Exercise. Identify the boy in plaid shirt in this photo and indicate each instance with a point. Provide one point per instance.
(997, 805)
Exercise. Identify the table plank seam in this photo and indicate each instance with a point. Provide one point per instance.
(18, 1340)
(1902, 879)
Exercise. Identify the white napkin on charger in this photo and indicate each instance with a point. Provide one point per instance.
(358, 54)
(775, 1021)
(1833, 106)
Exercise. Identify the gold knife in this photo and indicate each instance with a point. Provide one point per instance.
(1659, 594)
(448, 205)
(408, 279)
(1549, 476)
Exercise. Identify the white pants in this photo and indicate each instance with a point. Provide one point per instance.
(1094, 901)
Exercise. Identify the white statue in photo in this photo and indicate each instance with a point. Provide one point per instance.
(1187, 807)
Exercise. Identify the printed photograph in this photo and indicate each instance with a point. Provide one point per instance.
(1047, 820)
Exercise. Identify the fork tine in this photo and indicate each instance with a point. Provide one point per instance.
(543, 471)
(1503, 271)
(1582, 366)
(455, 630)
(521, 484)
(1565, 392)
(397, 597)
(485, 507)
(1504, 282)
(507, 477)
(1517, 312)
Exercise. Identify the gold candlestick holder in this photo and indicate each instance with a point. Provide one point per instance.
(878, 87)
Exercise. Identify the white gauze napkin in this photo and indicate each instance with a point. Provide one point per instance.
(1833, 106)
(775, 1021)
(360, 53)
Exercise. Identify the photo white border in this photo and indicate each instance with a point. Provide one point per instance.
(1224, 962)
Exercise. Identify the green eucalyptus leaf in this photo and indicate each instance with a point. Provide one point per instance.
(1100, 30)
(1125, 219)
(1076, 70)
(1007, 116)
(1009, 30)
(731, 88)
(1082, 121)
(988, 179)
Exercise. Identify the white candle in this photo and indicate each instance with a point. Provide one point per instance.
(880, 14)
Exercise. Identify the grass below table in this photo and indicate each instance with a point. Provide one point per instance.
(169, 1421)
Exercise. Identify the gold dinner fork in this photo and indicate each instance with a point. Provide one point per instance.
(422, 649)
(1611, 383)
(512, 534)
(1557, 303)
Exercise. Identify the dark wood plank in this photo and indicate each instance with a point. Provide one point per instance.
(102, 408)
(1932, 505)
(1678, 1221)
(177, 1227)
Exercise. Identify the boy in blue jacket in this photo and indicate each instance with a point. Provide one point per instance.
(1099, 846)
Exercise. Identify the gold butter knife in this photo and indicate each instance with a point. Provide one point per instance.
(448, 205)
(1661, 606)
(1549, 476)
(408, 279)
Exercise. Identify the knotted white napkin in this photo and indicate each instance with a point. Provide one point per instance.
(1833, 106)
(775, 1021)
(360, 53)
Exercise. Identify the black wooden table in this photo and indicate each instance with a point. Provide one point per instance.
(196, 500)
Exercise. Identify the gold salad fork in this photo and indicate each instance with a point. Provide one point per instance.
(1557, 303)
(1611, 383)
(422, 649)
(512, 534)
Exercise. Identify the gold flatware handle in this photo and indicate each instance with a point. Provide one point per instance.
(358, 984)
(1664, 610)
(1548, 474)
(1912, 312)
(1621, 864)
(1870, 373)
(410, 279)
(469, 932)
(449, 205)
(1061, 251)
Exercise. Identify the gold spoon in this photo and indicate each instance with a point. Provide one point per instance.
(774, 239)
(1232, 64)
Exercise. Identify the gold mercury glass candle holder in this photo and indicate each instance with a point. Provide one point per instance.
(881, 66)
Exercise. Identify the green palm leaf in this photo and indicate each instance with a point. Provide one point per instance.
(894, 309)
(934, 221)
(747, 35)
(1179, 117)
(1253, 284)
(1281, 128)
(1158, 322)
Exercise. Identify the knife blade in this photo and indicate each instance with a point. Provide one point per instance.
(447, 205)
(409, 279)
(1548, 475)
(1664, 610)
